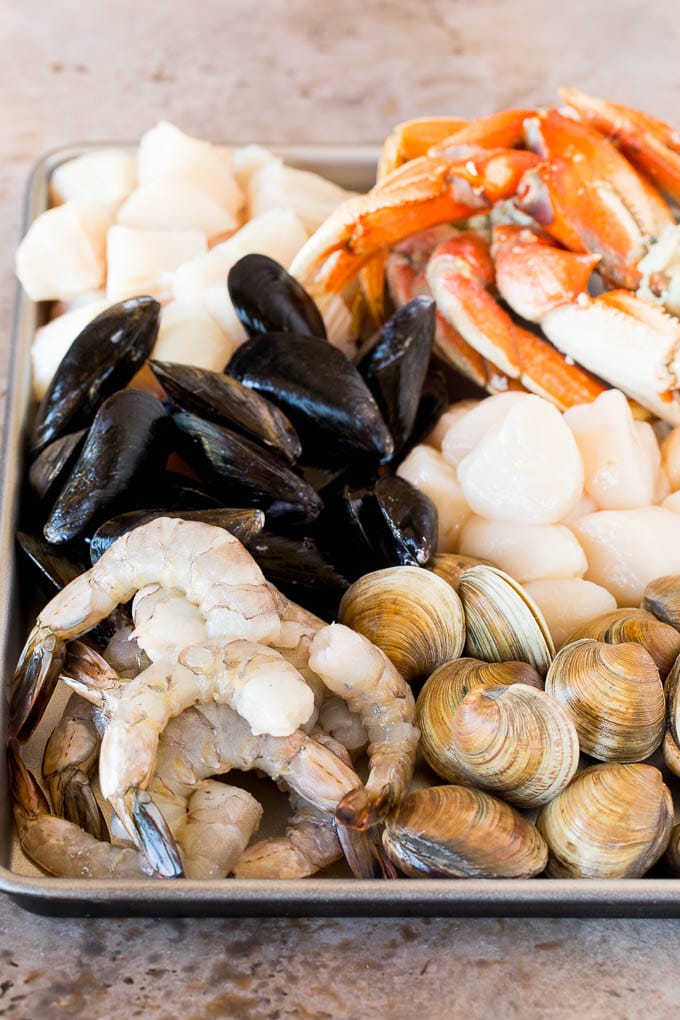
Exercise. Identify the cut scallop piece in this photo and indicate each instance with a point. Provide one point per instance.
(429, 472)
(105, 175)
(468, 429)
(246, 160)
(569, 602)
(626, 549)
(64, 251)
(585, 505)
(526, 468)
(145, 261)
(174, 203)
(188, 335)
(312, 197)
(528, 552)
(52, 341)
(165, 151)
(453, 413)
(620, 456)
(59, 308)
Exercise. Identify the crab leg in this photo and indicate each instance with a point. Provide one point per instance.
(460, 274)
(503, 130)
(650, 144)
(634, 345)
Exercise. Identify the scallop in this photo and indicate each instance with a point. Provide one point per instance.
(467, 429)
(527, 552)
(613, 694)
(453, 413)
(277, 186)
(175, 203)
(584, 505)
(52, 341)
(612, 821)
(63, 253)
(670, 458)
(429, 472)
(569, 602)
(450, 831)
(626, 549)
(415, 617)
(105, 175)
(526, 469)
(246, 160)
(144, 261)
(188, 335)
(620, 471)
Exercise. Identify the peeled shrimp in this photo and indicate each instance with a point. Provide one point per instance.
(208, 564)
(364, 677)
(218, 826)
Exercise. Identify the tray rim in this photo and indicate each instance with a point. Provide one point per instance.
(657, 897)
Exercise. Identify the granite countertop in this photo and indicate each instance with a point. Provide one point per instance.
(316, 71)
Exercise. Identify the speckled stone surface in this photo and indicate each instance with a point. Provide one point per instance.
(316, 71)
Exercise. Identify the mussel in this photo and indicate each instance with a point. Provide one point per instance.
(226, 401)
(612, 821)
(120, 462)
(321, 392)
(102, 359)
(298, 568)
(396, 364)
(414, 616)
(51, 467)
(400, 522)
(614, 696)
(267, 299)
(56, 567)
(454, 832)
(242, 472)
(244, 524)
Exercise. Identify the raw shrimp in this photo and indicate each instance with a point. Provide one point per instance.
(60, 847)
(207, 563)
(364, 677)
(218, 826)
(69, 763)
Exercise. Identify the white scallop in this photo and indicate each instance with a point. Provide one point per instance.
(584, 505)
(145, 261)
(526, 468)
(626, 549)
(52, 341)
(468, 429)
(429, 472)
(447, 420)
(174, 203)
(190, 336)
(525, 551)
(277, 186)
(568, 603)
(670, 458)
(246, 160)
(105, 175)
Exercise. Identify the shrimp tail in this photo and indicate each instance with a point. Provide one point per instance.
(364, 854)
(88, 674)
(75, 801)
(147, 827)
(34, 682)
(26, 793)
(362, 808)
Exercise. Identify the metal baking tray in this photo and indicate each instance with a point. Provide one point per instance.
(352, 167)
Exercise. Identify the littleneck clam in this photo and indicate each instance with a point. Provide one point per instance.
(442, 694)
(455, 832)
(267, 299)
(672, 856)
(503, 623)
(414, 616)
(102, 359)
(514, 741)
(614, 696)
(671, 744)
(661, 640)
(612, 821)
(450, 566)
(662, 598)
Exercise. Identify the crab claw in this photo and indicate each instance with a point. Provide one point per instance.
(502, 130)
(460, 274)
(534, 276)
(148, 829)
(587, 196)
(34, 681)
(650, 144)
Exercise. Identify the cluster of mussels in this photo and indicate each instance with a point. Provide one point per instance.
(292, 448)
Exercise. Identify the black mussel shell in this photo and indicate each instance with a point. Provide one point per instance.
(401, 522)
(223, 399)
(340, 531)
(119, 466)
(56, 567)
(242, 473)
(395, 366)
(267, 299)
(434, 400)
(179, 492)
(298, 568)
(244, 524)
(51, 467)
(322, 393)
(102, 359)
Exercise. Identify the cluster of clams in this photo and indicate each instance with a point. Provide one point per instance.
(547, 756)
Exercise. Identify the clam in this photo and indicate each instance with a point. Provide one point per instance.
(662, 598)
(514, 741)
(454, 832)
(661, 641)
(450, 566)
(503, 623)
(267, 299)
(671, 743)
(612, 821)
(672, 858)
(414, 616)
(614, 696)
(442, 694)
